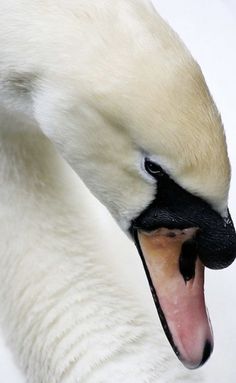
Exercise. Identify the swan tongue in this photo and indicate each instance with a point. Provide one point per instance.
(176, 278)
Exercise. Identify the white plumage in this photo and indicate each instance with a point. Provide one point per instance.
(65, 316)
(64, 313)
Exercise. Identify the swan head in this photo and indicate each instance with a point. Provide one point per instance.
(146, 138)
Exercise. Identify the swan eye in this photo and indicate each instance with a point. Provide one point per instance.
(152, 168)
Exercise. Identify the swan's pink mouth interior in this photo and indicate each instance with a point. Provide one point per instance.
(181, 300)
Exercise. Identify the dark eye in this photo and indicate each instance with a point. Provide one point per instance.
(153, 168)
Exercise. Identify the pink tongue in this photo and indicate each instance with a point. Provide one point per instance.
(182, 303)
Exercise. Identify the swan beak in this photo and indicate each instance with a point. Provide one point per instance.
(177, 235)
(176, 278)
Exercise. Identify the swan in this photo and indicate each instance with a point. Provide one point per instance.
(114, 94)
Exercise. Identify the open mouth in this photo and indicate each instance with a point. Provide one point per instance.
(176, 278)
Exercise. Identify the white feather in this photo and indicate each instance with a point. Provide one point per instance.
(64, 310)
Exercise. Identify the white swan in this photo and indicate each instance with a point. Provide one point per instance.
(109, 87)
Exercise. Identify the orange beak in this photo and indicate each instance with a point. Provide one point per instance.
(176, 277)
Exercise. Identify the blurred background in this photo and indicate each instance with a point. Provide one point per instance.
(208, 28)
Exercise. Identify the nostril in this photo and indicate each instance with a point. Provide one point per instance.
(187, 259)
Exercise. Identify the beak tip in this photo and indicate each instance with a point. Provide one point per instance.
(206, 352)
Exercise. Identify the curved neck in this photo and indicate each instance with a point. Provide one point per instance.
(64, 316)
